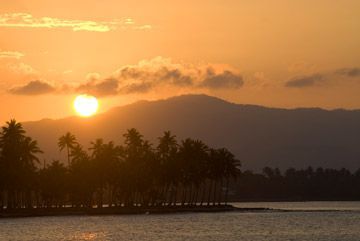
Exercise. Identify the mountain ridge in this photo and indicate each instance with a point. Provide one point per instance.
(259, 136)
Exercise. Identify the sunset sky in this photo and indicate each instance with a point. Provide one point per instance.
(279, 53)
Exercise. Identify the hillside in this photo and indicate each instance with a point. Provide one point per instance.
(259, 136)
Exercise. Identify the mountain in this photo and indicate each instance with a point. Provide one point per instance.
(258, 136)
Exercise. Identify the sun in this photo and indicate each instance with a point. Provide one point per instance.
(86, 105)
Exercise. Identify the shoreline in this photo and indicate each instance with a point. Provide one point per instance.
(75, 211)
(69, 211)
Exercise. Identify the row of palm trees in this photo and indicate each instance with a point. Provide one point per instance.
(136, 173)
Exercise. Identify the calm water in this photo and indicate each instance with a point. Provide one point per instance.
(332, 221)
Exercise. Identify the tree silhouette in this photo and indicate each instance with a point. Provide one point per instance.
(82, 178)
(133, 174)
(230, 167)
(140, 174)
(67, 141)
(168, 166)
(17, 162)
(53, 184)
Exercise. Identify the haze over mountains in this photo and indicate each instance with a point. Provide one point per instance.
(258, 136)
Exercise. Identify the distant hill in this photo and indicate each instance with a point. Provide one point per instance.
(259, 136)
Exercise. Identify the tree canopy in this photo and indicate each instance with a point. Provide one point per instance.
(136, 173)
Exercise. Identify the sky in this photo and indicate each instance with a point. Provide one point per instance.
(277, 53)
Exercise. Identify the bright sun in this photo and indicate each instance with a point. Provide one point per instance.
(86, 105)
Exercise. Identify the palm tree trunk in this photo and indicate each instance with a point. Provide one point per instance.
(197, 190)
(68, 155)
(28, 199)
(190, 195)
(215, 191)
(227, 190)
(100, 198)
(221, 190)
(1, 200)
(183, 195)
(110, 196)
(210, 191)
(203, 193)
(174, 198)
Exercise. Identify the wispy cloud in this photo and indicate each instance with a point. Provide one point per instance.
(11, 55)
(335, 78)
(348, 72)
(26, 20)
(22, 68)
(305, 81)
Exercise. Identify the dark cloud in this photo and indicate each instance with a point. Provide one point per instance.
(100, 88)
(175, 77)
(349, 72)
(35, 87)
(146, 76)
(305, 81)
(162, 75)
(224, 80)
(136, 88)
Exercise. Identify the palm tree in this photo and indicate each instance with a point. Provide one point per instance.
(10, 138)
(214, 173)
(231, 168)
(82, 172)
(167, 144)
(67, 141)
(18, 154)
(29, 149)
(166, 152)
(133, 143)
(193, 155)
(106, 158)
(96, 147)
(53, 180)
(77, 153)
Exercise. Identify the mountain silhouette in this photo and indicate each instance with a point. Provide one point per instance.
(258, 136)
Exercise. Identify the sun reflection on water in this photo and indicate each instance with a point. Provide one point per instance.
(86, 236)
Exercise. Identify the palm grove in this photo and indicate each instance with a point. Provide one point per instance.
(135, 173)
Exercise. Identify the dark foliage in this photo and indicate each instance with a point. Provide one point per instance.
(133, 174)
(304, 184)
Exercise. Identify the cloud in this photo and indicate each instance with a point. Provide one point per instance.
(148, 75)
(99, 88)
(26, 20)
(142, 78)
(161, 72)
(92, 77)
(224, 80)
(139, 78)
(22, 68)
(35, 87)
(137, 88)
(305, 81)
(11, 54)
(348, 72)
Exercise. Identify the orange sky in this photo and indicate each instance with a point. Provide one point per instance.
(269, 52)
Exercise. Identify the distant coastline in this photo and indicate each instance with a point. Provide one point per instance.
(69, 211)
(157, 210)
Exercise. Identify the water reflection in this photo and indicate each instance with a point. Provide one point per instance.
(87, 236)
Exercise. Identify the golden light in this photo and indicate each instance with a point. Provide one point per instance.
(86, 105)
